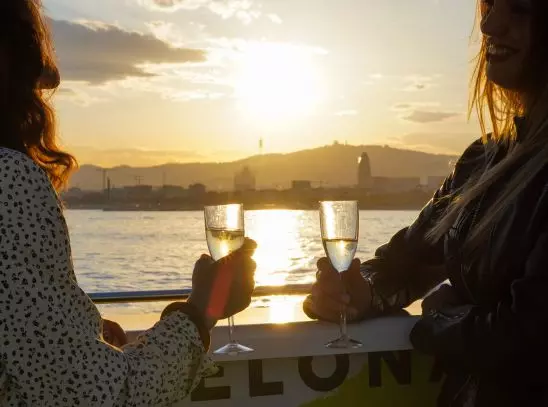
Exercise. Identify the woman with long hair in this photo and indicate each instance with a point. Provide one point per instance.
(485, 229)
(55, 349)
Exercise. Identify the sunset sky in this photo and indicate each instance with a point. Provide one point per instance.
(153, 81)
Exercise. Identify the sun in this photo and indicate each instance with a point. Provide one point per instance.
(278, 81)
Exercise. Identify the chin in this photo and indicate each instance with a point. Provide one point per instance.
(506, 78)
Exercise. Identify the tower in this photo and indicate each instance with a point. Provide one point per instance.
(365, 179)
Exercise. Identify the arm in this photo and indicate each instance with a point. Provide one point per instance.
(490, 340)
(402, 270)
(407, 267)
(410, 265)
(52, 348)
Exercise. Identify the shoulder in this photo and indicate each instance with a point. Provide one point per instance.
(475, 150)
(474, 154)
(471, 161)
(18, 167)
(23, 181)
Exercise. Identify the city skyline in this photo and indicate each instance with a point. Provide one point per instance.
(155, 81)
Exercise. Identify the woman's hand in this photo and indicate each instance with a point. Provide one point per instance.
(330, 293)
(224, 288)
(113, 333)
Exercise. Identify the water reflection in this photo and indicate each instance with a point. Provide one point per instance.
(132, 251)
(281, 244)
(281, 309)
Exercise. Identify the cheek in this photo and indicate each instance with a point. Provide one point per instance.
(521, 34)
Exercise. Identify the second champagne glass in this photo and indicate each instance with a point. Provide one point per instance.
(339, 222)
(225, 233)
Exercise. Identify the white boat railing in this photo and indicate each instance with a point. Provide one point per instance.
(174, 295)
(291, 366)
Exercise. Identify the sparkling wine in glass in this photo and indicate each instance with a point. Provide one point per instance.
(339, 222)
(225, 233)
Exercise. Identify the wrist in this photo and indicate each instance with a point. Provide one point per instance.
(203, 324)
(207, 319)
(375, 305)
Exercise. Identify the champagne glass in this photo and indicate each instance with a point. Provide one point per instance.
(225, 234)
(339, 222)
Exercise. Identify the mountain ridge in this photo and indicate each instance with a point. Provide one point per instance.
(334, 165)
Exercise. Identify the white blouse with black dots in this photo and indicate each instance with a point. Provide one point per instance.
(51, 347)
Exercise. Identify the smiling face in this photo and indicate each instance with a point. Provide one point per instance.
(507, 27)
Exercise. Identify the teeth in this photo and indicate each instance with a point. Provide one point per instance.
(499, 50)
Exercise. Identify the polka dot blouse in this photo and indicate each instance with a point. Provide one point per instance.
(51, 348)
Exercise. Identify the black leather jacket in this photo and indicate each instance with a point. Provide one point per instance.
(495, 345)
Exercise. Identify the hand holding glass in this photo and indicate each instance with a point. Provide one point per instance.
(224, 234)
(339, 222)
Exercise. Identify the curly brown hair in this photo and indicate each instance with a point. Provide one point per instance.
(28, 79)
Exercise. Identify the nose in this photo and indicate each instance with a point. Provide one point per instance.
(496, 21)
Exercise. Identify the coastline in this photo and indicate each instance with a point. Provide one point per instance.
(193, 208)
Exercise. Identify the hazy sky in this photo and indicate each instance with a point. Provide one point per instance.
(151, 81)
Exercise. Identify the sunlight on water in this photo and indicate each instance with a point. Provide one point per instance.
(233, 213)
(279, 249)
(282, 309)
(133, 251)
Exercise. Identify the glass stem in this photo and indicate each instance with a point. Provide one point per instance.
(342, 324)
(344, 333)
(231, 329)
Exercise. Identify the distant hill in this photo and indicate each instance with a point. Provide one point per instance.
(333, 166)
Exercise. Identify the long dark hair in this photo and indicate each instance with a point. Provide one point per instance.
(28, 78)
(498, 107)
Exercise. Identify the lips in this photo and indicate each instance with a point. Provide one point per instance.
(499, 52)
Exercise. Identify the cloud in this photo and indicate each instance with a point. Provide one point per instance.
(243, 10)
(95, 52)
(429, 116)
(373, 79)
(416, 83)
(423, 112)
(182, 88)
(65, 92)
(405, 83)
(402, 106)
(275, 18)
(178, 35)
(453, 143)
(406, 107)
(73, 92)
(173, 5)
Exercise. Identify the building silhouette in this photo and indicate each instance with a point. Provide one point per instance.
(244, 180)
(365, 180)
(301, 185)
